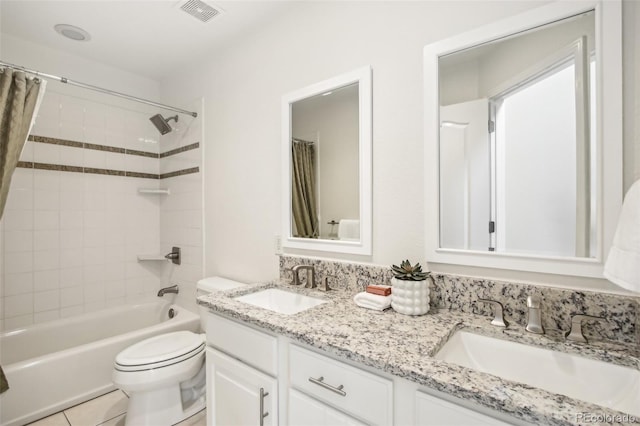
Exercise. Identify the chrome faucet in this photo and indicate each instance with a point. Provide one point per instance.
(172, 289)
(534, 318)
(498, 313)
(575, 332)
(311, 282)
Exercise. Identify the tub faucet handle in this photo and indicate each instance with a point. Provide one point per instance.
(175, 256)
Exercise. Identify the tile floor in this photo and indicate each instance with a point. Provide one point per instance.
(105, 410)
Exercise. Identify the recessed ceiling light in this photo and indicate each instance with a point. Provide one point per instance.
(72, 32)
(327, 93)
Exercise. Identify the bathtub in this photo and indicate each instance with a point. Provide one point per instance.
(55, 365)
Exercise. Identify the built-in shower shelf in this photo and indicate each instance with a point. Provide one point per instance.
(145, 257)
(165, 191)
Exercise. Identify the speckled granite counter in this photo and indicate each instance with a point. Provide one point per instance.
(404, 346)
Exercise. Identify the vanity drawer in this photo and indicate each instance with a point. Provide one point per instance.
(348, 388)
(244, 343)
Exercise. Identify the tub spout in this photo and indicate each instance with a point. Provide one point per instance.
(172, 289)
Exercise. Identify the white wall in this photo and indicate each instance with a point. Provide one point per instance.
(243, 86)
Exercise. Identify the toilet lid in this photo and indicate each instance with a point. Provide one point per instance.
(160, 351)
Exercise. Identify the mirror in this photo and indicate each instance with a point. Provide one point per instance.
(517, 147)
(326, 151)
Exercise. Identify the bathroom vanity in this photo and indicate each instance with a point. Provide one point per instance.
(336, 363)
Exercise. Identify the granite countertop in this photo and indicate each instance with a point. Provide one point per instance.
(347, 331)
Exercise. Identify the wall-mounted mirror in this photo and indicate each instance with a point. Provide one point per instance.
(516, 122)
(326, 153)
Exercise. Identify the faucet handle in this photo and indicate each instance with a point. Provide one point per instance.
(575, 332)
(311, 279)
(325, 283)
(498, 313)
(292, 274)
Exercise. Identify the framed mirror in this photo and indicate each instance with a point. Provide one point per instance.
(516, 114)
(326, 157)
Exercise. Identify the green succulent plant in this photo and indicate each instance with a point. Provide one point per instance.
(408, 272)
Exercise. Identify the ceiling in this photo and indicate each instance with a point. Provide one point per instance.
(151, 38)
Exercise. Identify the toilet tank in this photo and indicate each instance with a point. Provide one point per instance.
(211, 285)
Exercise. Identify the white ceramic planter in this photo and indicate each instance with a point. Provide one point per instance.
(410, 297)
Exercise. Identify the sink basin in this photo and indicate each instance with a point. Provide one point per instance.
(284, 302)
(589, 380)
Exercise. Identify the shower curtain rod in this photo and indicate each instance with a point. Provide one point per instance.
(97, 89)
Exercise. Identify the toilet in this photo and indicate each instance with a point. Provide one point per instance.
(164, 375)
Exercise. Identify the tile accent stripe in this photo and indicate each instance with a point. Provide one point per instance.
(105, 148)
(180, 173)
(117, 150)
(109, 172)
(114, 149)
(54, 141)
(46, 166)
(181, 149)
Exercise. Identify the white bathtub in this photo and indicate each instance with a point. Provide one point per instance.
(55, 365)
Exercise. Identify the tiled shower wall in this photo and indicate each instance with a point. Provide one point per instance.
(181, 218)
(75, 222)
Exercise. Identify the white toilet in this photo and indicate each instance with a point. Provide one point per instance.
(164, 375)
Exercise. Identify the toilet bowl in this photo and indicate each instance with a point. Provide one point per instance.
(164, 375)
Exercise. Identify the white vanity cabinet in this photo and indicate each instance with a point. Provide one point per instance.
(349, 389)
(431, 410)
(256, 378)
(239, 394)
(304, 410)
(242, 370)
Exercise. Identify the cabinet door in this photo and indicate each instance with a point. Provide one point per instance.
(306, 411)
(435, 411)
(238, 394)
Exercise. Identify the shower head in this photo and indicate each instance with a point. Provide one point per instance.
(162, 124)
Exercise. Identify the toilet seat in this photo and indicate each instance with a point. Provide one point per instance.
(160, 351)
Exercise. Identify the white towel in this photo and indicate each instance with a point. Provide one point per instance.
(372, 301)
(349, 230)
(623, 264)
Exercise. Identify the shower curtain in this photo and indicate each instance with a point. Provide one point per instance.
(19, 100)
(303, 190)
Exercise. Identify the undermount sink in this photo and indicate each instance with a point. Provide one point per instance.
(589, 380)
(284, 302)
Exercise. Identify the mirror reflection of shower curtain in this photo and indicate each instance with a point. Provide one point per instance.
(303, 190)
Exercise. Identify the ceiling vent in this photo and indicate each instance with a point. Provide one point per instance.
(200, 10)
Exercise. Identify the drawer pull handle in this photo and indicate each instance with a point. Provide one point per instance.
(320, 382)
(262, 413)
